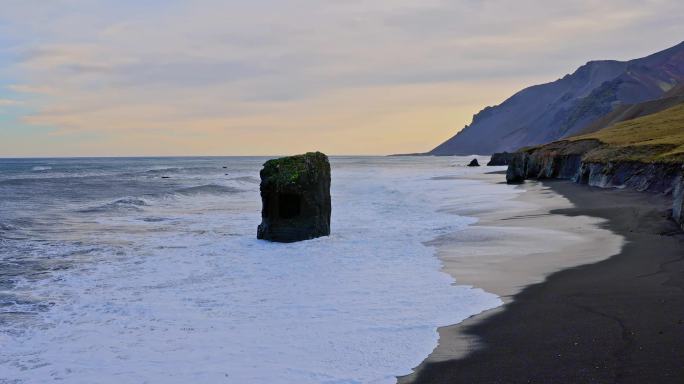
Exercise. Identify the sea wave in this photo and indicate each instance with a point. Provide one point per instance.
(222, 296)
(155, 171)
(41, 168)
(181, 170)
(246, 179)
(208, 189)
(123, 204)
(6, 227)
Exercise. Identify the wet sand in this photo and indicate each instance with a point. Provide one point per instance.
(592, 281)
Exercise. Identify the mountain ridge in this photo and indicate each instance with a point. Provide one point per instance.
(546, 112)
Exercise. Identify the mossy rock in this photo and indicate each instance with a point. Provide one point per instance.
(295, 193)
(288, 171)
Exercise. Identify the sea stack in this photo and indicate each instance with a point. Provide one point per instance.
(295, 197)
(474, 163)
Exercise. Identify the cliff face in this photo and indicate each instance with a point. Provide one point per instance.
(678, 200)
(645, 154)
(562, 108)
(501, 158)
(571, 160)
(547, 163)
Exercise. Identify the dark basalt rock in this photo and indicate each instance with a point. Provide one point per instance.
(501, 158)
(569, 160)
(558, 160)
(647, 177)
(295, 193)
(678, 199)
(517, 168)
(474, 163)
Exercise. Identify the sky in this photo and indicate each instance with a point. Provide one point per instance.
(264, 77)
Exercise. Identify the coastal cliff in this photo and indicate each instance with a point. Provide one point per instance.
(546, 163)
(678, 201)
(563, 161)
(644, 154)
(500, 158)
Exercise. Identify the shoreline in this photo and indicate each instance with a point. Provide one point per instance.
(508, 250)
(595, 317)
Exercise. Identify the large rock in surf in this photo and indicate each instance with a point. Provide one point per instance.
(295, 193)
(474, 163)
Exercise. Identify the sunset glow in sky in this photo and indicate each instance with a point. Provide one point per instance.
(171, 77)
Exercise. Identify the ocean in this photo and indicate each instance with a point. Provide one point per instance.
(134, 270)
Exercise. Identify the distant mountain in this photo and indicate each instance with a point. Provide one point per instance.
(548, 112)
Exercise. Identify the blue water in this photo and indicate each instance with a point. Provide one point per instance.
(127, 270)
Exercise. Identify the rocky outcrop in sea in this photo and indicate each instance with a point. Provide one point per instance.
(295, 194)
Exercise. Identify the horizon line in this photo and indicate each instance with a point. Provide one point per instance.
(186, 156)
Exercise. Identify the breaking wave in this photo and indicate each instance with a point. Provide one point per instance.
(124, 204)
(163, 170)
(208, 189)
(246, 179)
(5, 227)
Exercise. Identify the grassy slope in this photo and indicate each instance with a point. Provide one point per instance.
(656, 137)
(633, 111)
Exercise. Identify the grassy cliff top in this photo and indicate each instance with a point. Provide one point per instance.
(289, 169)
(656, 137)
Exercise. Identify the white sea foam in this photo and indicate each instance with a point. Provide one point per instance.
(207, 189)
(193, 297)
(41, 168)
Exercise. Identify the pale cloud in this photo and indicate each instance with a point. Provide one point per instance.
(9, 103)
(32, 89)
(259, 77)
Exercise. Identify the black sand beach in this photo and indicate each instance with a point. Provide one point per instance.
(620, 320)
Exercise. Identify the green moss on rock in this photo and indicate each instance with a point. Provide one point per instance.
(289, 170)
